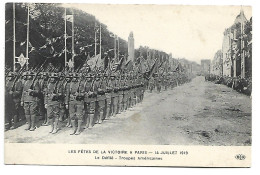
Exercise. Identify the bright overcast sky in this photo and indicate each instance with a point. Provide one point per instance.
(191, 32)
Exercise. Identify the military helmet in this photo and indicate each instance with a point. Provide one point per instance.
(54, 75)
(11, 74)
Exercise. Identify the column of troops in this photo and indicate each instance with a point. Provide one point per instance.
(83, 99)
(167, 81)
(242, 85)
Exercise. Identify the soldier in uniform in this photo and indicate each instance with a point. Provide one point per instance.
(109, 89)
(29, 100)
(51, 102)
(43, 86)
(126, 92)
(121, 94)
(90, 100)
(100, 87)
(75, 103)
(61, 92)
(16, 93)
(151, 84)
(66, 88)
(114, 95)
(9, 102)
(130, 94)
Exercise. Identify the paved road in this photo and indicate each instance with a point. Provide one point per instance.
(196, 113)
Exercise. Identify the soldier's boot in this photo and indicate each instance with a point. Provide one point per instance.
(87, 122)
(33, 118)
(15, 122)
(119, 108)
(28, 120)
(79, 127)
(108, 112)
(100, 117)
(46, 121)
(115, 110)
(91, 120)
(73, 122)
(69, 123)
(51, 121)
(56, 126)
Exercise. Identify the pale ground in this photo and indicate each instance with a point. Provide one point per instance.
(196, 113)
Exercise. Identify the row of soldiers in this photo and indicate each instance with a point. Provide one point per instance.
(242, 85)
(87, 98)
(167, 81)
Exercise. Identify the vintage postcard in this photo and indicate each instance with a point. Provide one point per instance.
(128, 85)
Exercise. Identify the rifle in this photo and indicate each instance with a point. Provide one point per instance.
(31, 87)
(17, 77)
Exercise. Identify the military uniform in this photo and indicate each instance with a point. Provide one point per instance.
(121, 94)
(75, 102)
(90, 101)
(43, 86)
(29, 100)
(114, 96)
(16, 95)
(66, 87)
(9, 103)
(52, 103)
(100, 88)
(109, 89)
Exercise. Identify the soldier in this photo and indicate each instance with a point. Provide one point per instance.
(51, 102)
(43, 86)
(90, 100)
(121, 94)
(126, 92)
(151, 84)
(100, 87)
(114, 95)
(66, 88)
(9, 103)
(16, 93)
(109, 88)
(29, 100)
(134, 83)
(61, 91)
(75, 103)
(130, 94)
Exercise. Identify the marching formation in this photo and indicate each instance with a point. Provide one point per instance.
(82, 98)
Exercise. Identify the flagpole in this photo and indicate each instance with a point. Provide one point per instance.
(14, 36)
(100, 40)
(242, 51)
(27, 44)
(115, 48)
(95, 39)
(65, 37)
(73, 38)
(118, 47)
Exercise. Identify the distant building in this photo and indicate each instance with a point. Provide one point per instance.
(131, 47)
(205, 66)
(233, 48)
(216, 66)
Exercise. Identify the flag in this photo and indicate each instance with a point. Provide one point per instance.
(22, 43)
(152, 70)
(69, 18)
(21, 60)
(70, 64)
(94, 61)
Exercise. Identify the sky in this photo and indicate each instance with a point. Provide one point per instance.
(191, 32)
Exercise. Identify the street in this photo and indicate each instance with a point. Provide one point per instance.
(196, 113)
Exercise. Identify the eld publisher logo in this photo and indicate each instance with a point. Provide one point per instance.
(240, 157)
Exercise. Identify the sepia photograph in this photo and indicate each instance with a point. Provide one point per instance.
(122, 75)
